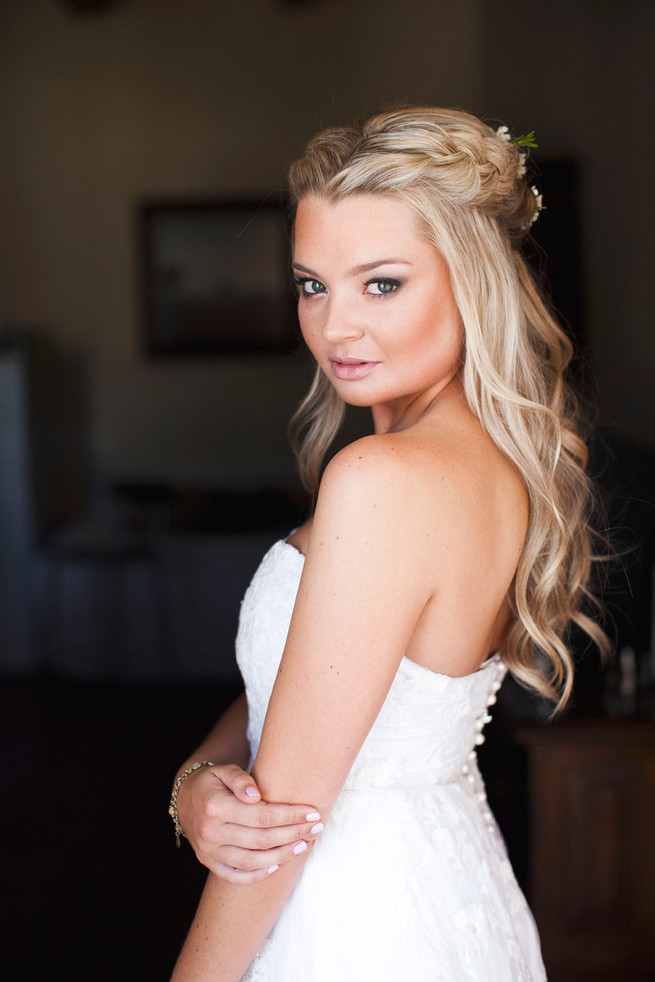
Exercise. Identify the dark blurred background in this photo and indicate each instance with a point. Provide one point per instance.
(139, 488)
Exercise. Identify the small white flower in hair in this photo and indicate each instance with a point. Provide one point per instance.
(521, 169)
(503, 134)
(539, 202)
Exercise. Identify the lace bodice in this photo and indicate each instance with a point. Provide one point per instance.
(410, 879)
(429, 725)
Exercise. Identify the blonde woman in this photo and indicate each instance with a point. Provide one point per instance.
(442, 552)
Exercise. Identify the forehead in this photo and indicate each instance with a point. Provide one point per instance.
(355, 223)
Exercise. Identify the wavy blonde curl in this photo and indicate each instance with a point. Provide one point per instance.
(468, 188)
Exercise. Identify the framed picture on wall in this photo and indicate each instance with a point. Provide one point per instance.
(216, 277)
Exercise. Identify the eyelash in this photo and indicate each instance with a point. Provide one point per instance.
(300, 282)
(396, 284)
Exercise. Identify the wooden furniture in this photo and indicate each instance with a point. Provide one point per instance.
(592, 847)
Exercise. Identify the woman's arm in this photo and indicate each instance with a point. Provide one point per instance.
(233, 832)
(360, 596)
(227, 740)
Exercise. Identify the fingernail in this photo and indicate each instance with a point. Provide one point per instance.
(312, 817)
(299, 847)
(317, 828)
(254, 793)
(271, 869)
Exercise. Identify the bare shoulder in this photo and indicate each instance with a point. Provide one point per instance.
(362, 504)
(386, 486)
(370, 463)
(432, 481)
(380, 473)
(447, 463)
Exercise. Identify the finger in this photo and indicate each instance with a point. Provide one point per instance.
(262, 815)
(250, 860)
(241, 784)
(265, 839)
(240, 876)
(244, 787)
(221, 804)
(273, 815)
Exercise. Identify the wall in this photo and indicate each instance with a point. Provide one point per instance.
(582, 74)
(165, 98)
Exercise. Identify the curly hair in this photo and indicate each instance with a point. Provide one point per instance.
(467, 184)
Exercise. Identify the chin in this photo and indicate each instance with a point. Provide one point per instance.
(352, 398)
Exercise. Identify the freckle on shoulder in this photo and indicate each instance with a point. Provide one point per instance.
(378, 469)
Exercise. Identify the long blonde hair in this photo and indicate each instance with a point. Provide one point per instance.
(467, 184)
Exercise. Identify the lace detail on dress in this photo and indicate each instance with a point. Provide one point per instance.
(258, 972)
(410, 879)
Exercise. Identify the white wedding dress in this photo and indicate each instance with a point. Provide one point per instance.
(410, 881)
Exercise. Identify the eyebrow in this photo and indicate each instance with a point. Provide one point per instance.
(363, 268)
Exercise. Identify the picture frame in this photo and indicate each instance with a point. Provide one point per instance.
(216, 277)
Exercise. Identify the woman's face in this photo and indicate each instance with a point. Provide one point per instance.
(376, 306)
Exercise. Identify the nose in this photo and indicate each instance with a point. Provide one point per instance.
(342, 322)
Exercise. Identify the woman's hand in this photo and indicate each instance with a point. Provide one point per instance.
(233, 832)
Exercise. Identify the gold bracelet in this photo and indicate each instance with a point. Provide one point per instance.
(172, 808)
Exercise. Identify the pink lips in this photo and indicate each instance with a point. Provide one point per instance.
(350, 369)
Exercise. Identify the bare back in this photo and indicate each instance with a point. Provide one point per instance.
(466, 513)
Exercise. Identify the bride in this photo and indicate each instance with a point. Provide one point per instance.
(443, 550)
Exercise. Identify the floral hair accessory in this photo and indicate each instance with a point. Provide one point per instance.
(523, 142)
(539, 203)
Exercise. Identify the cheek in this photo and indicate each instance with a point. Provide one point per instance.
(438, 343)
(304, 326)
(437, 334)
(309, 330)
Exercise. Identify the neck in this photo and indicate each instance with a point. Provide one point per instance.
(402, 414)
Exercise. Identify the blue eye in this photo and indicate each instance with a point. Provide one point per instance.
(309, 287)
(382, 287)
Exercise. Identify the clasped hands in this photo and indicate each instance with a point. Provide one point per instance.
(235, 834)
